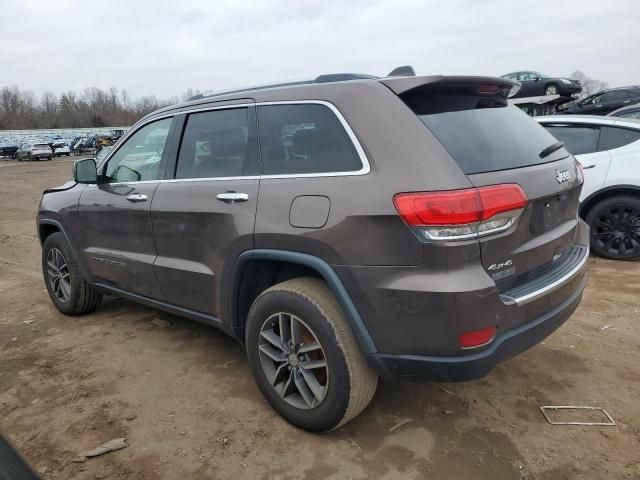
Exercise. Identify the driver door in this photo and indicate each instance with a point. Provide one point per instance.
(117, 236)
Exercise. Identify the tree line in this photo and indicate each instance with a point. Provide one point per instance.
(94, 107)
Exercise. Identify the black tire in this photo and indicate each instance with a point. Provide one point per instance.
(82, 297)
(550, 88)
(350, 382)
(615, 227)
(30, 158)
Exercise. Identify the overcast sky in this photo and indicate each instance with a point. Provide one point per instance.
(164, 47)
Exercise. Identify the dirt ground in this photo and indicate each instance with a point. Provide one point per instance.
(184, 398)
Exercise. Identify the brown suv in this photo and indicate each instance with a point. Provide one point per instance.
(399, 227)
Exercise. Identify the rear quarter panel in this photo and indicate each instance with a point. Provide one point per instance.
(363, 227)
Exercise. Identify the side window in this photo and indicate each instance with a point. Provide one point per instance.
(304, 139)
(630, 115)
(578, 140)
(525, 76)
(139, 157)
(613, 96)
(615, 137)
(215, 144)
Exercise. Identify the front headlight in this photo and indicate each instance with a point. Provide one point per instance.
(565, 81)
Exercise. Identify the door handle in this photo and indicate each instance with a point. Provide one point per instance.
(137, 197)
(231, 197)
(588, 167)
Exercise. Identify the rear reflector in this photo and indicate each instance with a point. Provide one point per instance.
(477, 338)
(458, 214)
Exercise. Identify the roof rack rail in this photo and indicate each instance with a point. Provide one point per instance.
(404, 71)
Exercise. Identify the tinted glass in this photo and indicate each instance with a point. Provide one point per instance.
(612, 96)
(298, 139)
(630, 114)
(489, 139)
(139, 157)
(578, 140)
(214, 144)
(615, 137)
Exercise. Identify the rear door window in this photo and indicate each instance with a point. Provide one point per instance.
(616, 137)
(578, 140)
(215, 144)
(304, 139)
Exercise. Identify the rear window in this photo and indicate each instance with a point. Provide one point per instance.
(482, 133)
(41, 145)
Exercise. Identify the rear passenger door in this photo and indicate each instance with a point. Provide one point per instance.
(583, 142)
(204, 217)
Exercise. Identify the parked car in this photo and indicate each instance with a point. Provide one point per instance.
(379, 230)
(603, 102)
(34, 151)
(534, 84)
(8, 150)
(632, 111)
(60, 149)
(609, 150)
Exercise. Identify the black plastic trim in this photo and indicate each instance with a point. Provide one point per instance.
(353, 316)
(167, 307)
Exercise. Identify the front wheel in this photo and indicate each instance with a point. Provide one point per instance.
(305, 358)
(68, 290)
(615, 227)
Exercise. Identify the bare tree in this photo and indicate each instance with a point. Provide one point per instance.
(94, 108)
(589, 85)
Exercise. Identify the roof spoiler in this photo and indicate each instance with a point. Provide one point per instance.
(403, 85)
(404, 71)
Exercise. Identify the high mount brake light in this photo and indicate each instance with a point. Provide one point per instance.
(462, 214)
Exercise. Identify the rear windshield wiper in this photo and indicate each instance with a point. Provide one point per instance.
(551, 148)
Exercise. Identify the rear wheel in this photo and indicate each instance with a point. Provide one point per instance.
(305, 358)
(68, 290)
(615, 227)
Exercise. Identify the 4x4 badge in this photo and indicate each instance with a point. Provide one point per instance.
(562, 176)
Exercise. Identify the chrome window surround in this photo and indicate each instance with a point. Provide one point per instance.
(366, 167)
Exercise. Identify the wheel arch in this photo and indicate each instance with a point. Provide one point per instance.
(608, 192)
(240, 299)
(48, 226)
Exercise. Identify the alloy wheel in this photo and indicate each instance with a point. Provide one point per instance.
(617, 230)
(552, 90)
(58, 275)
(293, 361)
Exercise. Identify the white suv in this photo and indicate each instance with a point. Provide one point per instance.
(609, 150)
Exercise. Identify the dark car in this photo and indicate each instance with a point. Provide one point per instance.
(534, 84)
(632, 111)
(604, 102)
(8, 150)
(342, 231)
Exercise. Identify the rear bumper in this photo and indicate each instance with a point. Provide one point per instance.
(477, 365)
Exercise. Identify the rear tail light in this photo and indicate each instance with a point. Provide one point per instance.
(477, 338)
(462, 214)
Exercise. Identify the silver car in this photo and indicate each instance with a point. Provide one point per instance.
(34, 151)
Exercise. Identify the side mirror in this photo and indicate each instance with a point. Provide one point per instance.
(535, 79)
(85, 171)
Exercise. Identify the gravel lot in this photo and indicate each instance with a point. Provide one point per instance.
(184, 398)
